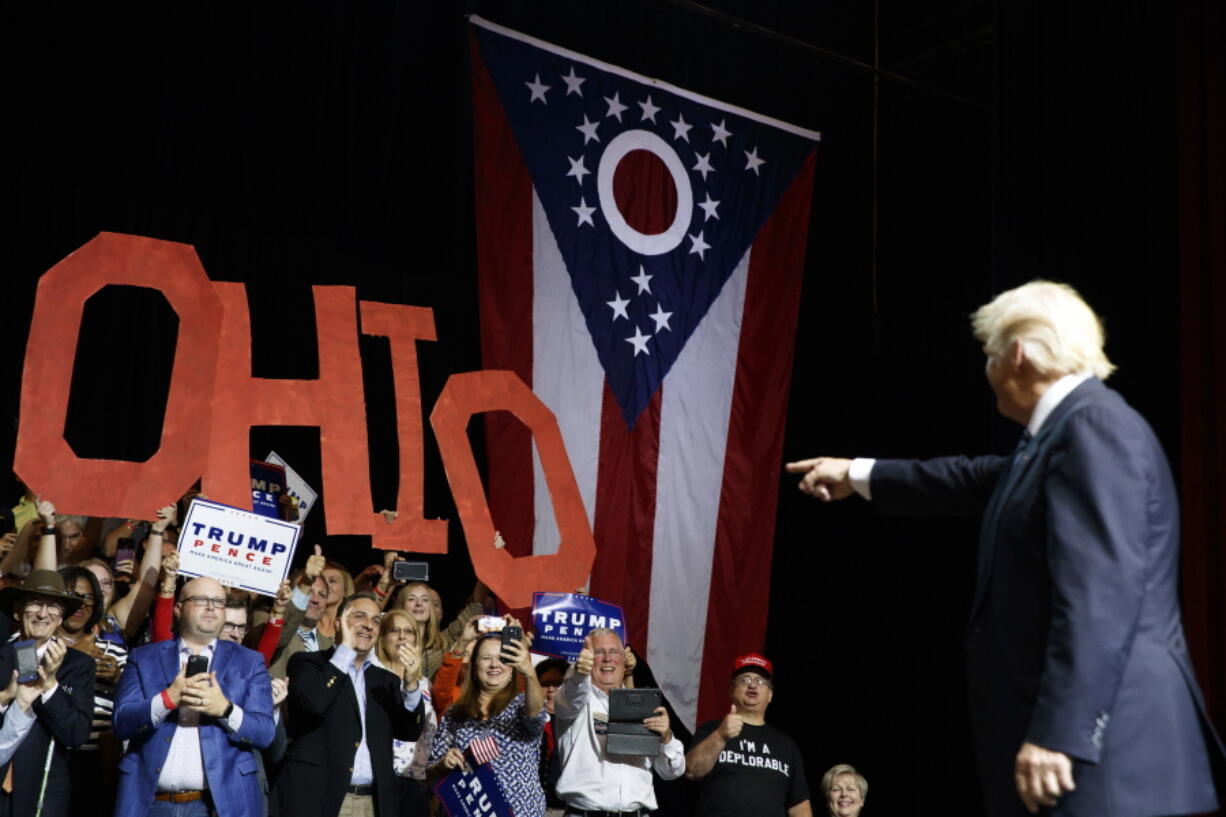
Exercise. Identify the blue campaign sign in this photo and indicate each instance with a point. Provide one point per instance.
(267, 486)
(473, 794)
(561, 620)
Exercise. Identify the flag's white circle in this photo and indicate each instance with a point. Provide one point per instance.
(658, 243)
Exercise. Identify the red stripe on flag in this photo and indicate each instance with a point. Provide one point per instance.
(504, 284)
(626, 513)
(740, 576)
(483, 750)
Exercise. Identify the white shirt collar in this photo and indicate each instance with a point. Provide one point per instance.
(208, 649)
(1051, 398)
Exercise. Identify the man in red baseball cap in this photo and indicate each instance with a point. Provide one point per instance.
(748, 768)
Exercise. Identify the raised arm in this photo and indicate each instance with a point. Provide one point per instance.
(131, 610)
(701, 759)
(44, 553)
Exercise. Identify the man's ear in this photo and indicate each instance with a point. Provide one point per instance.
(1017, 353)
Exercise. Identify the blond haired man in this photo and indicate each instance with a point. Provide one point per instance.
(1081, 690)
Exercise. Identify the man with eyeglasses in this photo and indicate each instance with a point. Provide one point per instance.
(748, 768)
(193, 738)
(344, 712)
(62, 711)
(592, 782)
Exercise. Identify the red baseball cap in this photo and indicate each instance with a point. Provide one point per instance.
(752, 662)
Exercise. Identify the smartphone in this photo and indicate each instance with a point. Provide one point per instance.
(27, 661)
(510, 633)
(490, 624)
(410, 571)
(197, 664)
(126, 551)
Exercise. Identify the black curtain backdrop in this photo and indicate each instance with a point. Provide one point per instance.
(1202, 273)
(298, 144)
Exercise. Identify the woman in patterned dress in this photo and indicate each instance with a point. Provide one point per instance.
(489, 706)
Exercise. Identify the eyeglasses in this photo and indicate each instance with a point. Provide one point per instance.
(609, 653)
(86, 598)
(231, 627)
(753, 681)
(51, 608)
(206, 602)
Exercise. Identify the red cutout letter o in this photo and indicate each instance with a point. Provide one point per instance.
(44, 460)
(512, 579)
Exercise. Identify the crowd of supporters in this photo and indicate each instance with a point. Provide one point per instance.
(162, 694)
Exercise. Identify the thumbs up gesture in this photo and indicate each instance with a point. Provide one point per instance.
(583, 665)
(731, 725)
(314, 565)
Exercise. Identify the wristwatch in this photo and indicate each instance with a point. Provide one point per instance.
(229, 708)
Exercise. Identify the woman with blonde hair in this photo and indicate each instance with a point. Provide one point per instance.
(844, 790)
(417, 599)
(408, 757)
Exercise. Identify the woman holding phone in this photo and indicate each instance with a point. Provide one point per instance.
(489, 707)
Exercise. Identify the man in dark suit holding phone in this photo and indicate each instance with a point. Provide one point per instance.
(194, 709)
(63, 710)
(1082, 694)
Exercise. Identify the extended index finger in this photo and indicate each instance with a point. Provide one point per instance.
(801, 466)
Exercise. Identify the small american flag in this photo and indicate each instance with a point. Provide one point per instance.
(483, 750)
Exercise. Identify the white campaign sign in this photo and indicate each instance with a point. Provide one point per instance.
(295, 486)
(237, 548)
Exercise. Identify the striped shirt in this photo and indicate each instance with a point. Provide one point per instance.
(104, 691)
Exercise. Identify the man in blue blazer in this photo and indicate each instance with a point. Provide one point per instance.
(192, 738)
(1082, 695)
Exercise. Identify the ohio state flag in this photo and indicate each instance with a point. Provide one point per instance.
(640, 253)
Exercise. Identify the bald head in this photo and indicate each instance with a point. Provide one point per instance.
(201, 610)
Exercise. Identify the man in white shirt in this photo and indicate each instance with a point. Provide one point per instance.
(593, 782)
(192, 738)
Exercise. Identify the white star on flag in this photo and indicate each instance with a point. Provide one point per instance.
(721, 133)
(538, 90)
(639, 342)
(753, 162)
(649, 110)
(681, 129)
(704, 164)
(643, 280)
(699, 246)
(708, 207)
(661, 318)
(588, 129)
(585, 213)
(619, 306)
(615, 106)
(573, 82)
(578, 170)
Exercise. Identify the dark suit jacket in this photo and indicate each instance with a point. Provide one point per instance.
(229, 765)
(325, 731)
(65, 716)
(1075, 640)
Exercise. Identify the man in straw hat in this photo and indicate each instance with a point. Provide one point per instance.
(39, 767)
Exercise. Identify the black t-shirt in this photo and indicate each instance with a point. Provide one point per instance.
(759, 772)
